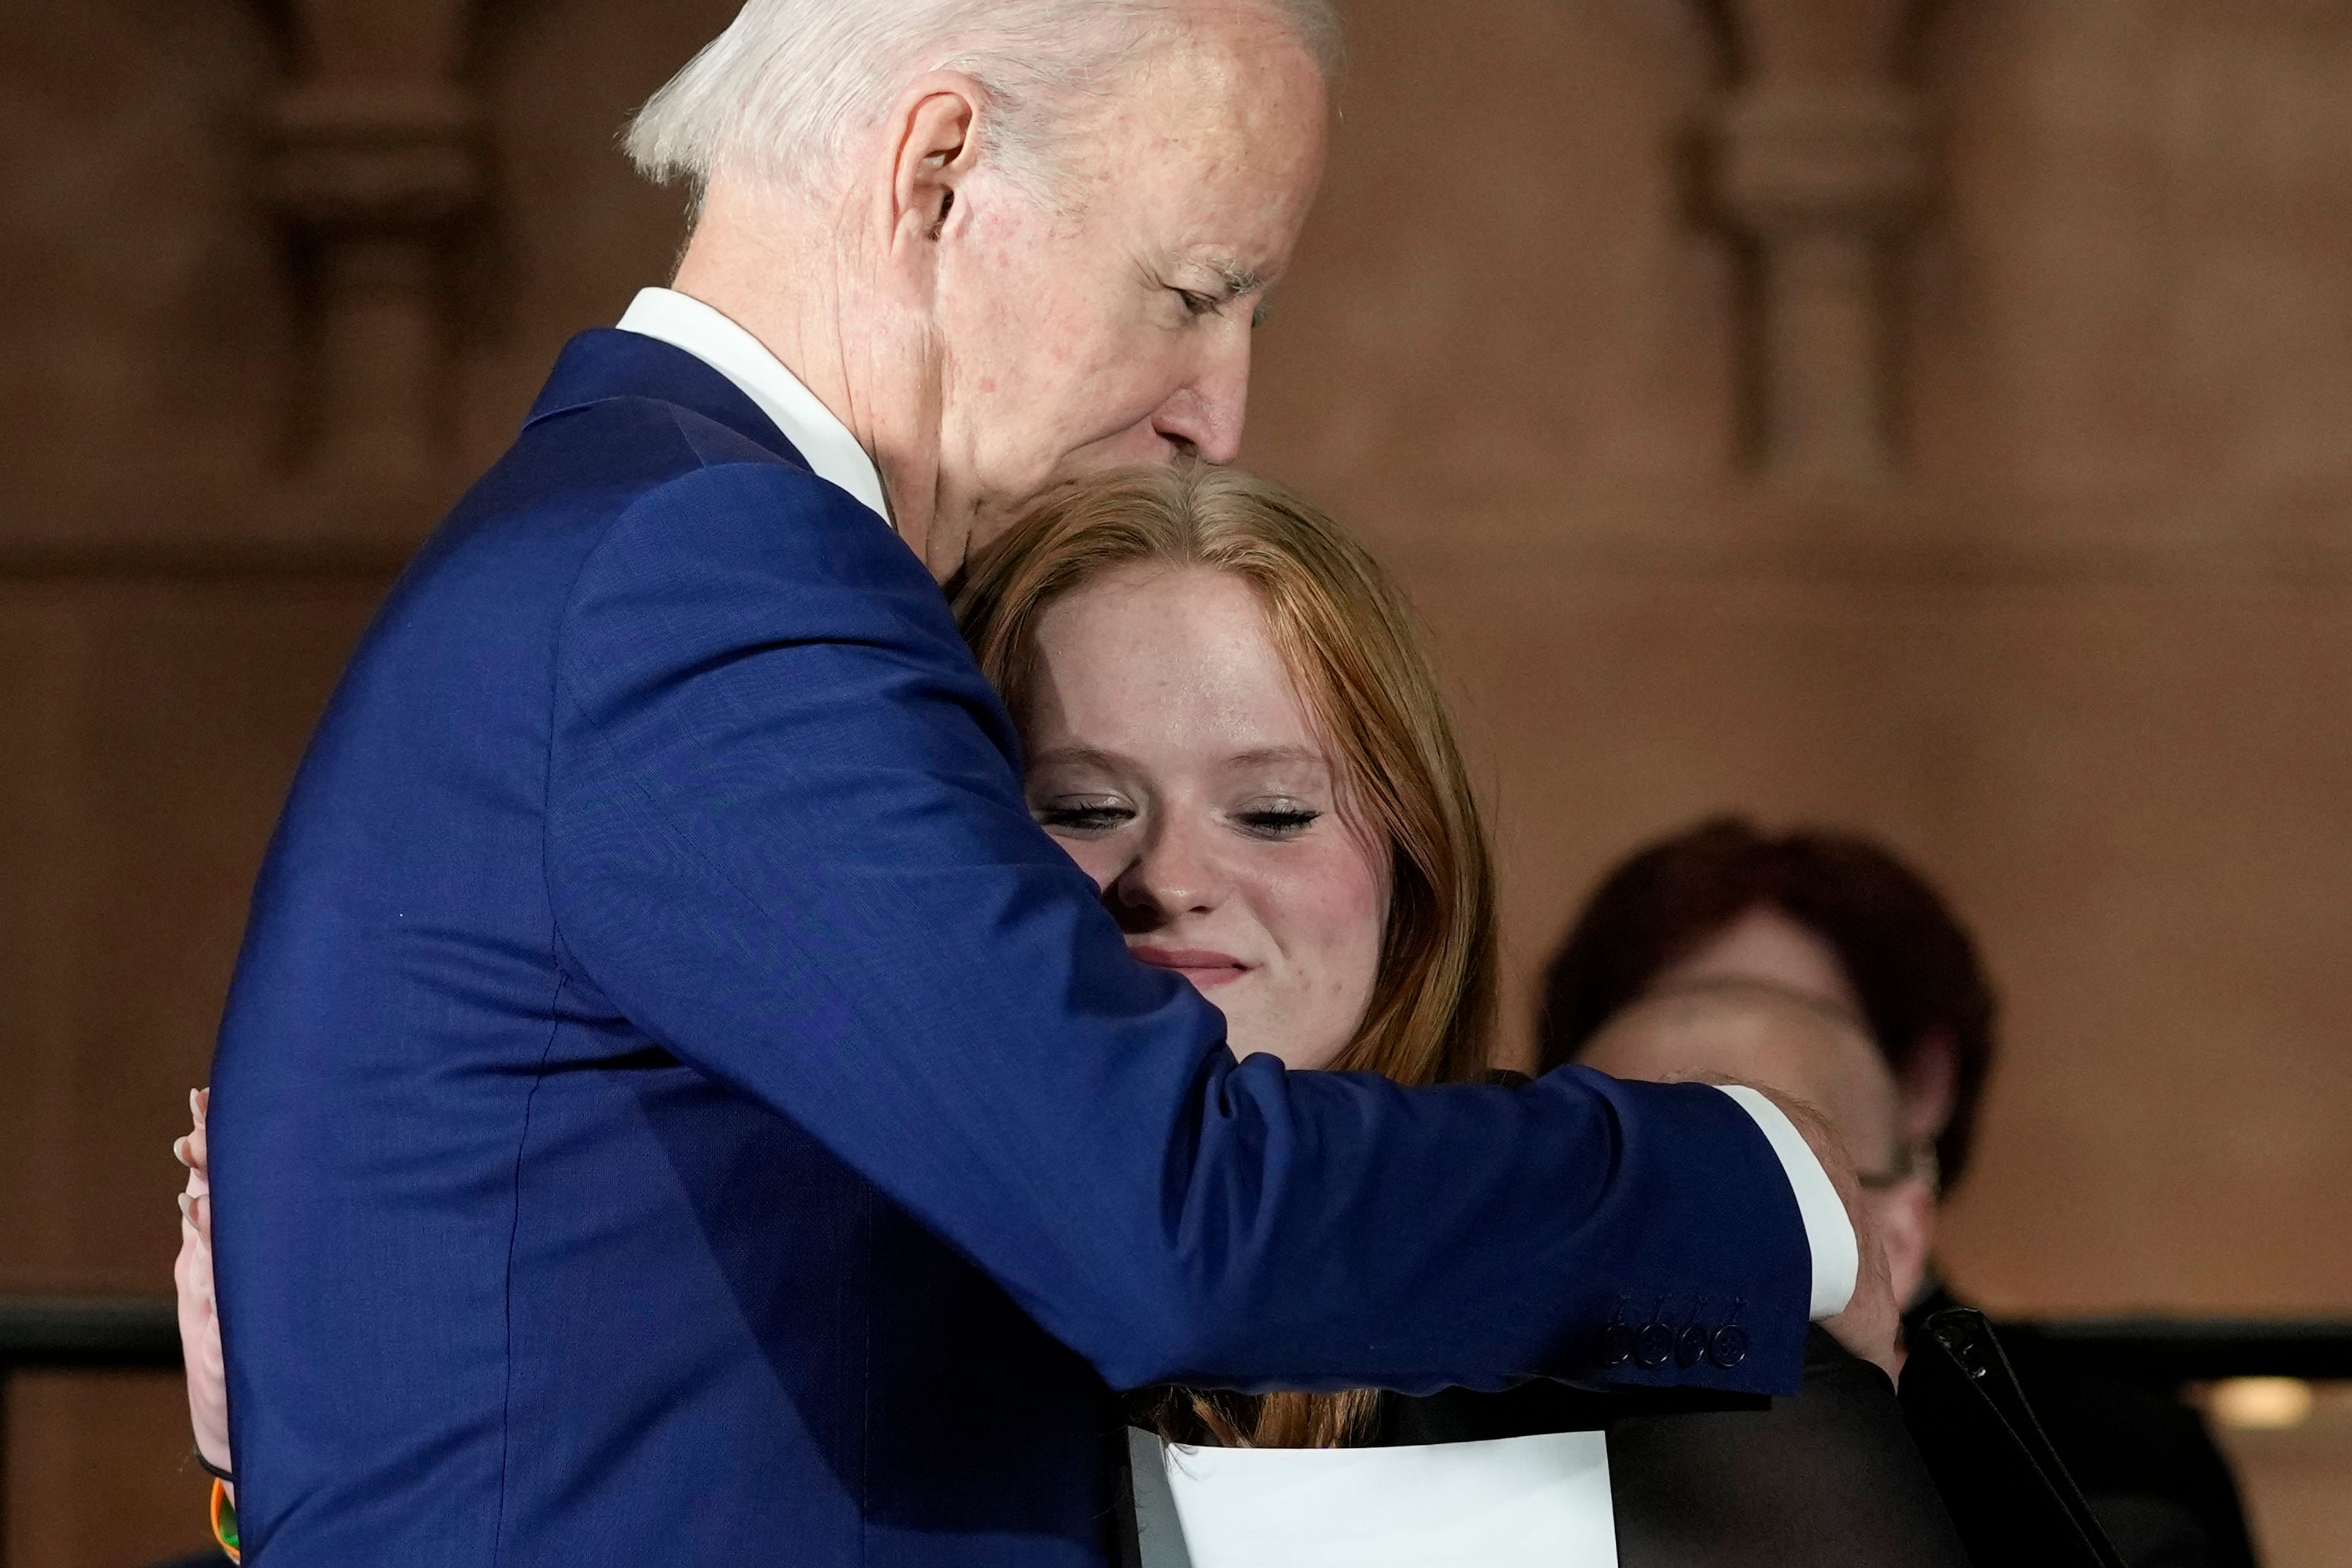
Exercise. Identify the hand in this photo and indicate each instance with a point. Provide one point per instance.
(192, 1278)
(1873, 1318)
(1760, 1036)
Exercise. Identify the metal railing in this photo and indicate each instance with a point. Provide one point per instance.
(142, 1334)
(2176, 1351)
(133, 1334)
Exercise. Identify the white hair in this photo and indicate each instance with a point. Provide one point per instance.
(778, 95)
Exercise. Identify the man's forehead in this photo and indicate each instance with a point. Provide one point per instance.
(1224, 170)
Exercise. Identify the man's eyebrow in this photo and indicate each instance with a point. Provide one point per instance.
(1238, 279)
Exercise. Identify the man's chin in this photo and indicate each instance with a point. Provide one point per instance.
(994, 516)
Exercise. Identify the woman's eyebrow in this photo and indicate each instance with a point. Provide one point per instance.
(1080, 755)
(1262, 755)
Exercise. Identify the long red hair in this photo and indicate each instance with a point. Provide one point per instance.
(1354, 651)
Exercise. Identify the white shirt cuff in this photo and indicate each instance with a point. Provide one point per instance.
(1828, 1230)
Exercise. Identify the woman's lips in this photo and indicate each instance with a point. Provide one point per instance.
(1199, 965)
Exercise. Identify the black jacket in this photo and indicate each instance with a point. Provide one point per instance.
(1825, 1478)
(2143, 1459)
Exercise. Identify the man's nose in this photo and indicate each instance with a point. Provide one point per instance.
(1174, 875)
(1205, 414)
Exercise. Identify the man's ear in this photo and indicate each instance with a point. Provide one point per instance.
(932, 146)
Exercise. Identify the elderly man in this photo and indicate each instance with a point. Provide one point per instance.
(674, 1104)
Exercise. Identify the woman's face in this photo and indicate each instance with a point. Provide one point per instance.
(1170, 755)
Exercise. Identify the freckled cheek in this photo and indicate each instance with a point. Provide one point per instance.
(1095, 858)
(1327, 918)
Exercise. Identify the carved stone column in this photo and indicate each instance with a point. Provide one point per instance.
(375, 157)
(1821, 161)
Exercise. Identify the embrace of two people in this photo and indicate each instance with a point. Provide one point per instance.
(866, 919)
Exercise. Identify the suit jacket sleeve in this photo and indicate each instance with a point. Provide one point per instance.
(786, 840)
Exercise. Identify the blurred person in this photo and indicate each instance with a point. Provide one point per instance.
(1698, 1483)
(1719, 1023)
(1836, 923)
(1229, 724)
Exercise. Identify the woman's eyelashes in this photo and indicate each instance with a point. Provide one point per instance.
(1099, 814)
(1287, 820)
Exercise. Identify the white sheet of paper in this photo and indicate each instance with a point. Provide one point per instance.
(1517, 1502)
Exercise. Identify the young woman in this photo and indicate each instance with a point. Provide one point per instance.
(1230, 724)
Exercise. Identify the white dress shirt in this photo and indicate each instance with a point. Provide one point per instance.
(1837, 1256)
(834, 455)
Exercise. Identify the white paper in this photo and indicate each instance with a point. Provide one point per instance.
(1517, 1502)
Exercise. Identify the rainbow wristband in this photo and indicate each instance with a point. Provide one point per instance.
(223, 1517)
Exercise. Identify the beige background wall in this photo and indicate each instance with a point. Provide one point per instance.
(1983, 482)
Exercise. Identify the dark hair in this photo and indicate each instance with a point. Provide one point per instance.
(1910, 962)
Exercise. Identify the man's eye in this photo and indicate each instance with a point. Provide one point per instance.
(1196, 304)
(1279, 822)
(1083, 815)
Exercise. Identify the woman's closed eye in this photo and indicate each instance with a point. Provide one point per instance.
(1286, 819)
(1083, 814)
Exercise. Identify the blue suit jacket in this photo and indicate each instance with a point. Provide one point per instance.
(676, 1107)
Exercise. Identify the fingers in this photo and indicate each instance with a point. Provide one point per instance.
(192, 1150)
(196, 1226)
(1871, 1325)
(199, 1182)
(196, 1198)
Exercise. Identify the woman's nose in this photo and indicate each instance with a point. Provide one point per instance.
(1173, 875)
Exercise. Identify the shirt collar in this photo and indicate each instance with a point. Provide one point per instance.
(833, 453)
